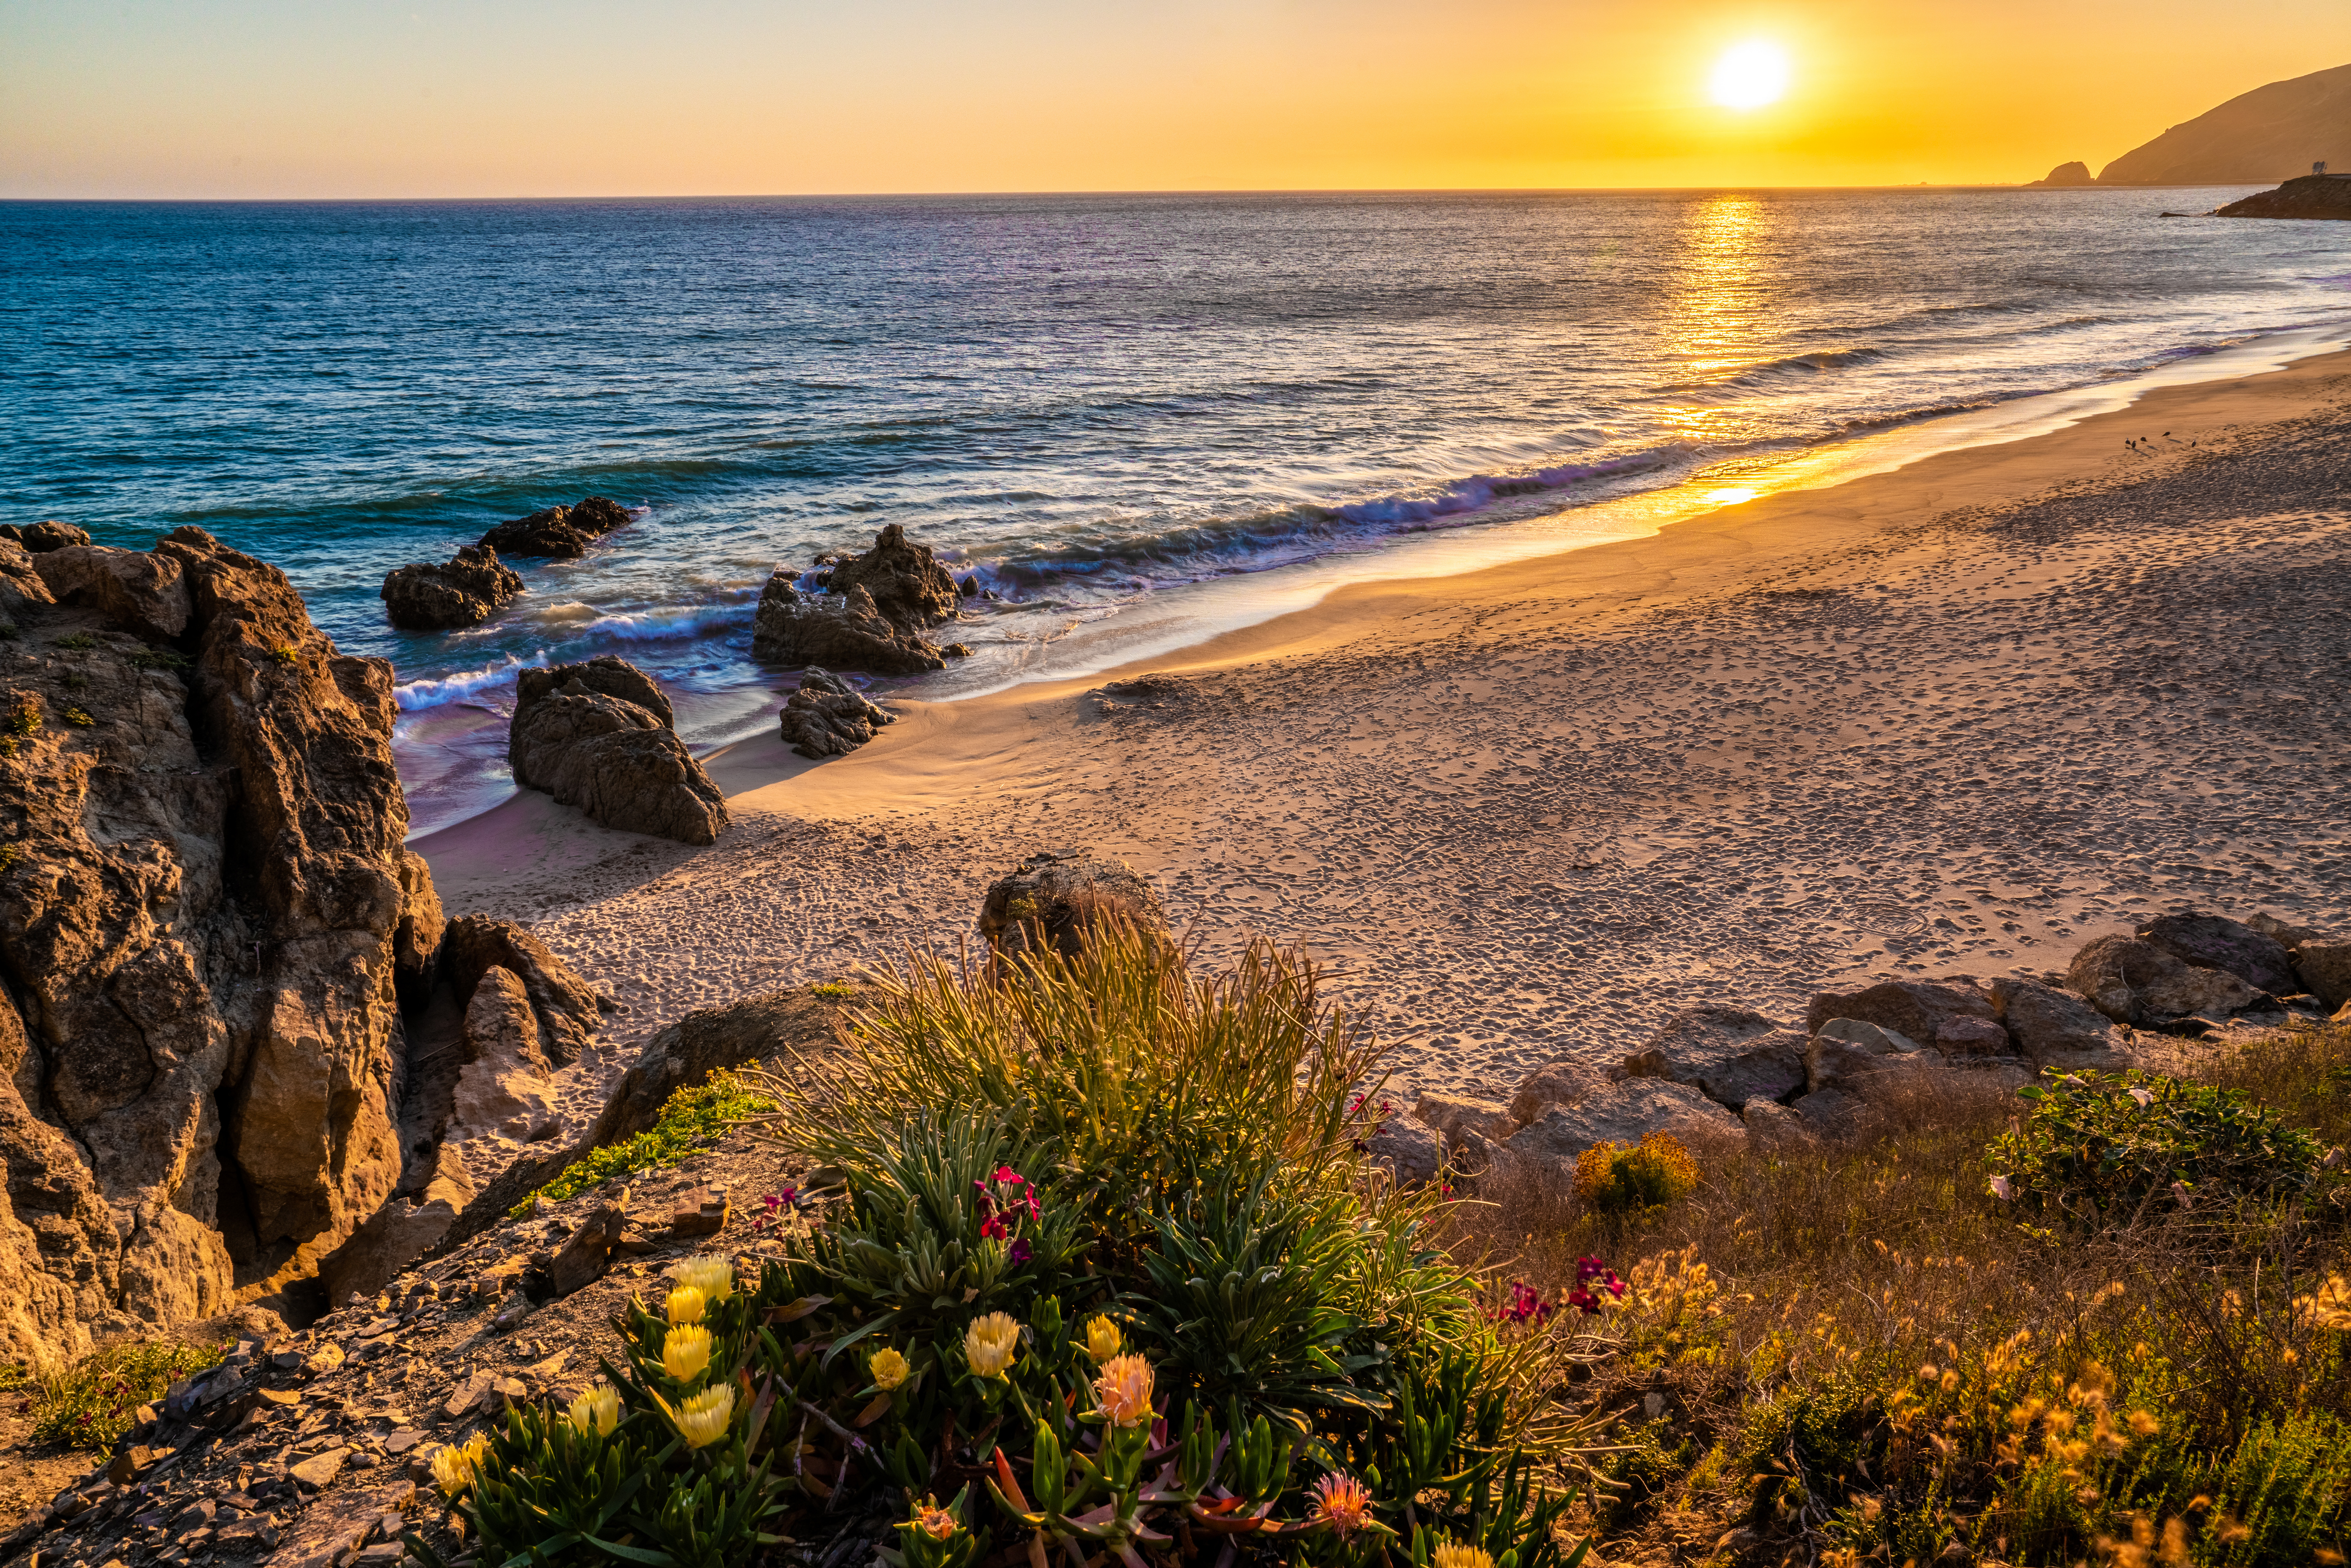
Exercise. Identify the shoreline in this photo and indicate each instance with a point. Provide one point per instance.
(1914, 723)
(1163, 623)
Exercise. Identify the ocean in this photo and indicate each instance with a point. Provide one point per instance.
(1091, 402)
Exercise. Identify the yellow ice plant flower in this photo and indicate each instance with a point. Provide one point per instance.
(714, 1277)
(1453, 1555)
(990, 1343)
(702, 1420)
(1125, 1389)
(456, 1467)
(1103, 1338)
(685, 1305)
(598, 1410)
(1341, 1502)
(889, 1369)
(685, 1351)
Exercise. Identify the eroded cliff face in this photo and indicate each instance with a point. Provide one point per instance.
(204, 908)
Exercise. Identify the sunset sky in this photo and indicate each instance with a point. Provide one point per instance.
(326, 97)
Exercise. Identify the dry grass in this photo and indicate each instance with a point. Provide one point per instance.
(1826, 1355)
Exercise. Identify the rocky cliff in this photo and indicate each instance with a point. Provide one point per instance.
(205, 915)
(2311, 197)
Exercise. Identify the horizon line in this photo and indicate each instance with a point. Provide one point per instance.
(1164, 190)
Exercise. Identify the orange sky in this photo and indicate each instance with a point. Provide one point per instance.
(328, 98)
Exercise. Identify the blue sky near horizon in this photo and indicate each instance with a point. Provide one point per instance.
(269, 98)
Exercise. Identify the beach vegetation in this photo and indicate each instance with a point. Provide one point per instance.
(9, 632)
(1613, 1178)
(691, 1120)
(832, 990)
(146, 658)
(1865, 1354)
(1096, 1262)
(78, 717)
(90, 1403)
(79, 642)
(285, 654)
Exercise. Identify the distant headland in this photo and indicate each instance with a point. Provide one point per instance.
(2269, 134)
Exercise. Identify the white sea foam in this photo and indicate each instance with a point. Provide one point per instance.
(415, 695)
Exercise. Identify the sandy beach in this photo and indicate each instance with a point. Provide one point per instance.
(1953, 718)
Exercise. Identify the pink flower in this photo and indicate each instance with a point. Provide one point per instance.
(1019, 1253)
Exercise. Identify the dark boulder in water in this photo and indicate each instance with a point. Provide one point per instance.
(910, 588)
(2310, 196)
(598, 737)
(837, 631)
(826, 717)
(461, 592)
(559, 533)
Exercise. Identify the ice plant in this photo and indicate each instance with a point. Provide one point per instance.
(1103, 1338)
(685, 1351)
(1454, 1554)
(1341, 1503)
(714, 1277)
(702, 1420)
(889, 1369)
(598, 1410)
(1125, 1389)
(454, 1467)
(934, 1520)
(774, 1207)
(685, 1305)
(990, 1343)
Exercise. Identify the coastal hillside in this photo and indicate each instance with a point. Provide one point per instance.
(2271, 134)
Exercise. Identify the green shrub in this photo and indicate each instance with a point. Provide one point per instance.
(285, 654)
(689, 1119)
(837, 990)
(1101, 1245)
(79, 642)
(146, 658)
(78, 718)
(92, 1403)
(2282, 1496)
(24, 718)
(2097, 1148)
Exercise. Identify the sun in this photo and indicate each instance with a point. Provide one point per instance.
(1749, 76)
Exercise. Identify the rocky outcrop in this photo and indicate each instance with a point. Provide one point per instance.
(1952, 1015)
(2138, 983)
(201, 899)
(461, 591)
(561, 533)
(2053, 1028)
(597, 735)
(140, 592)
(909, 590)
(843, 632)
(563, 1009)
(869, 612)
(38, 538)
(774, 1026)
(505, 1089)
(2214, 942)
(827, 718)
(2322, 962)
(1053, 900)
(2065, 176)
(1625, 1113)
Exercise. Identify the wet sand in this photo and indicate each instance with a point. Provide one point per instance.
(1958, 717)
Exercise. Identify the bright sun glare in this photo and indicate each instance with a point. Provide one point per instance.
(1749, 76)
